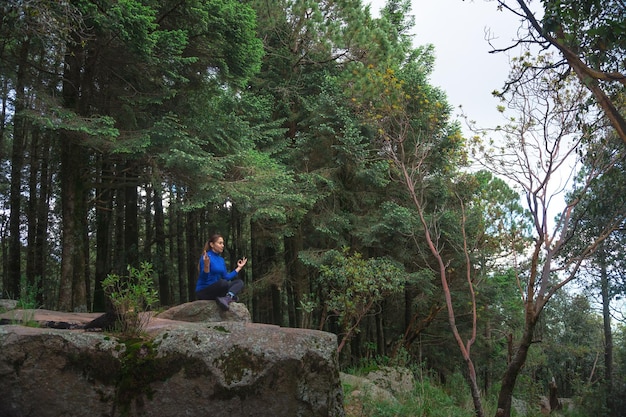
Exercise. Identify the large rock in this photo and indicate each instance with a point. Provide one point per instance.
(180, 369)
(206, 310)
(6, 304)
(384, 384)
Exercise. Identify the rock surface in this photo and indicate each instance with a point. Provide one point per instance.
(206, 310)
(222, 368)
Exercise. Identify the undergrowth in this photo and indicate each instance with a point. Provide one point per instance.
(132, 296)
(429, 397)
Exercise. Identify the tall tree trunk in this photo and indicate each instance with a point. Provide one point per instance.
(3, 113)
(178, 254)
(72, 159)
(148, 240)
(31, 211)
(267, 302)
(277, 306)
(104, 230)
(72, 289)
(608, 333)
(131, 220)
(256, 300)
(381, 346)
(12, 284)
(193, 256)
(159, 263)
(41, 233)
(505, 396)
(296, 279)
(82, 279)
(119, 256)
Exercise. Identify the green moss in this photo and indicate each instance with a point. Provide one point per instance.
(220, 329)
(95, 366)
(239, 362)
(138, 371)
(140, 368)
(133, 374)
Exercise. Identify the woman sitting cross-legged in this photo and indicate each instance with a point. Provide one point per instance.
(214, 282)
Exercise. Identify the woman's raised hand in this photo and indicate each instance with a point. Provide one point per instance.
(207, 261)
(241, 263)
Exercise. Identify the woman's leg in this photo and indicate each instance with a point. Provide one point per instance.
(234, 287)
(217, 289)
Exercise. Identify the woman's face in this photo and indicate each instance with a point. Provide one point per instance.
(218, 245)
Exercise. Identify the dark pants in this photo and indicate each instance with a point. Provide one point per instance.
(219, 289)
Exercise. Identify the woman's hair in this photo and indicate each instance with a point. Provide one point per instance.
(212, 239)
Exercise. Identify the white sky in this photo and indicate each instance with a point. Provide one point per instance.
(464, 68)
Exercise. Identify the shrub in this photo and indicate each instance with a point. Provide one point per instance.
(132, 296)
(28, 294)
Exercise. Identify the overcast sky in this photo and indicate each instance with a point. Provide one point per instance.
(464, 68)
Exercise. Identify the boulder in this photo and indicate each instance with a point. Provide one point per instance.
(206, 310)
(361, 388)
(384, 384)
(6, 304)
(398, 381)
(220, 369)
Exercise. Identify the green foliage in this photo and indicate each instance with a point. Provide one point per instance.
(29, 293)
(596, 28)
(173, 97)
(132, 296)
(428, 399)
(352, 286)
(266, 190)
(26, 302)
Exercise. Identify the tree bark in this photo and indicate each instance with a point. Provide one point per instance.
(12, 284)
(72, 289)
(516, 363)
(159, 263)
(193, 256)
(72, 159)
(178, 254)
(297, 283)
(41, 233)
(31, 210)
(131, 220)
(148, 219)
(608, 333)
(104, 229)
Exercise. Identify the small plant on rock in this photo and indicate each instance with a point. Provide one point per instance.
(132, 296)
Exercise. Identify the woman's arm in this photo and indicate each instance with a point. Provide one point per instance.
(206, 262)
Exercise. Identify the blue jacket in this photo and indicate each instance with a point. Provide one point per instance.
(217, 271)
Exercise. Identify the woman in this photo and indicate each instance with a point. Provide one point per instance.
(214, 282)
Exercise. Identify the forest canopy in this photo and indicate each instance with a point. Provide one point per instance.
(309, 135)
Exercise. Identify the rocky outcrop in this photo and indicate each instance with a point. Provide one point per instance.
(222, 368)
(384, 384)
(206, 310)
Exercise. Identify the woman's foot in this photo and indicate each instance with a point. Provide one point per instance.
(223, 302)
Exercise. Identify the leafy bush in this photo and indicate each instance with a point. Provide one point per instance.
(27, 302)
(354, 286)
(28, 294)
(132, 296)
(428, 399)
